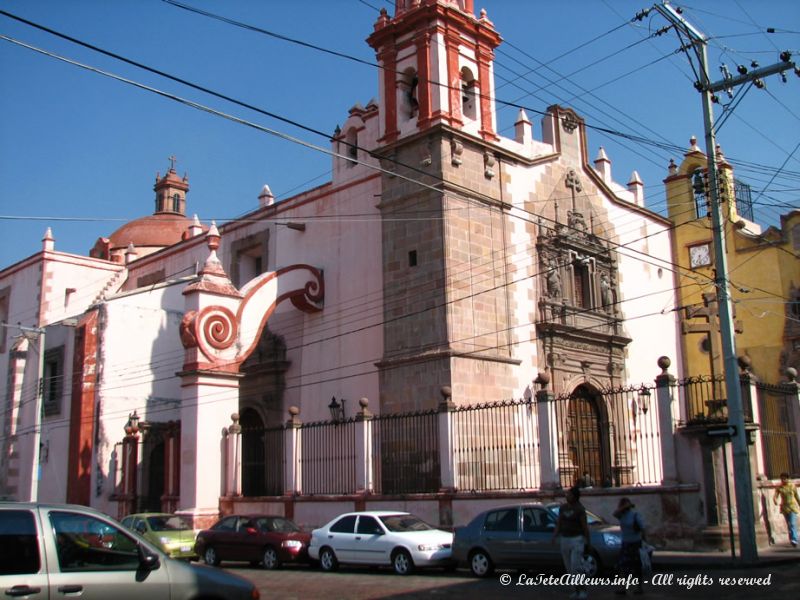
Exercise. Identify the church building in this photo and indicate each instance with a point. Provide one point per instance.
(480, 269)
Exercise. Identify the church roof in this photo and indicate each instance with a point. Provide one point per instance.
(160, 229)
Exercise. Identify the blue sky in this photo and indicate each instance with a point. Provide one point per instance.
(79, 152)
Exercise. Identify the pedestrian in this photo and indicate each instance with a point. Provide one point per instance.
(574, 531)
(585, 480)
(632, 526)
(790, 505)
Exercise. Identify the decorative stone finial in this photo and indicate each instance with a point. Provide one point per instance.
(363, 403)
(130, 253)
(664, 363)
(48, 242)
(212, 238)
(542, 379)
(745, 363)
(791, 373)
(293, 411)
(672, 168)
(195, 228)
(693, 144)
(266, 197)
(446, 392)
(635, 179)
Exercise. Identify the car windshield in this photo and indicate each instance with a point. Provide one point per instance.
(591, 518)
(401, 523)
(277, 524)
(167, 523)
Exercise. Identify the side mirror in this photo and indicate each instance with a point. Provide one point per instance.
(251, 530)
(140, 528)
(148, 561)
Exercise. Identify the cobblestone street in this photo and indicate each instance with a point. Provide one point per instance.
(781, 578)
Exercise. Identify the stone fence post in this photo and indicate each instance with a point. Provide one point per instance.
(750, 399)
(549, 470)
(665, 402)
(447, 466)
(233, 458)
(364, 463)
(292, 452)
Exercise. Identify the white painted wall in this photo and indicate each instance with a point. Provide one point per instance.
(139, 354)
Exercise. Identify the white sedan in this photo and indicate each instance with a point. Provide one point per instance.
(381, 537)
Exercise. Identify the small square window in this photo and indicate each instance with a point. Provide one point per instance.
(412, 258)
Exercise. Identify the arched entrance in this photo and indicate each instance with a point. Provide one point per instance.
(253, 454)
(588, 437)
(155, 479)
(261, 416)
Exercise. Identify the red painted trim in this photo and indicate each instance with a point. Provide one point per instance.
(451, 42)
(485, 56)
(313, 291)
(389, 60)
(81, 421)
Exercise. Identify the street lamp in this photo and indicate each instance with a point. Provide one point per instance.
(644, 399)
(337, 410)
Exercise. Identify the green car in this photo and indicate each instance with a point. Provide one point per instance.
(169, 532)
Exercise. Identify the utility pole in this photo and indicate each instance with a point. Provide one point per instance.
(37, 417)
(743, 484)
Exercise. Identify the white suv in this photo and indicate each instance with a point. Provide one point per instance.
(49, 551)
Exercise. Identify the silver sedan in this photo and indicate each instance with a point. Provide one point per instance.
(521, 536)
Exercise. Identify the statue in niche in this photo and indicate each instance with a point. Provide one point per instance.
(606, 291)
(553, 279)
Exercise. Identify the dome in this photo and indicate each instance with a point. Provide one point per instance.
(154, 231)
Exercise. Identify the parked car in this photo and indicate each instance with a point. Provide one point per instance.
(54, 551)
(386, 538)
(521, 536)
(266, 539)
(170, 532)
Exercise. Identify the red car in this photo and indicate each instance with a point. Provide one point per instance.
(265, 539)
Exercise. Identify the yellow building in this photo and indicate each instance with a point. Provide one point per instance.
(763, 269)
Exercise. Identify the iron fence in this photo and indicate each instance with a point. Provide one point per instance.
(405, 450)
(328, 457)
(495, 446)
(779, 432)
(706, 400)
(262, 461)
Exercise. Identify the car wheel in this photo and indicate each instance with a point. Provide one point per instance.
(270, 559)
(402, 563)
(480, 564)
(592, 564)
(210, 556)
(327, 560)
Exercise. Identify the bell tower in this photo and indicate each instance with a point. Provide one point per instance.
(437, 68)
(444, 222)
(171, 191)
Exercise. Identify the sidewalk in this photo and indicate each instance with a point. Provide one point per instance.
(780, 553)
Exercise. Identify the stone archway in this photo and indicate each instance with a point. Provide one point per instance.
(253, 453)
(588, 436)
